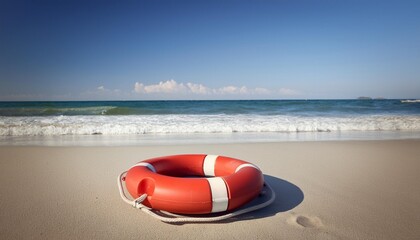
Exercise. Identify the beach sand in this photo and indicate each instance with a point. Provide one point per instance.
(325, 190)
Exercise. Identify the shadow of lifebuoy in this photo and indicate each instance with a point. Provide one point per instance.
(288, 196)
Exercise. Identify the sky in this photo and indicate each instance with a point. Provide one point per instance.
(152, 50)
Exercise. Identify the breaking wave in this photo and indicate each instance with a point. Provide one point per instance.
(190, 123)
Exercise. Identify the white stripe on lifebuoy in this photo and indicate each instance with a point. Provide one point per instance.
(219, 194)
(208, 166)
(246, 165)
(145, 164)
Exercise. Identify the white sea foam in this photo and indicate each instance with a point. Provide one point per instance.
(186, 124)
(411, 101)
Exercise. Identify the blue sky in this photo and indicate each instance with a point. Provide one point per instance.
(104, 50)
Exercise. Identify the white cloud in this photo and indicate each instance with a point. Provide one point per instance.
(243, 90)
(172, 88)
(138, 87)
(228, 90)
(198, 88)
(101, 88)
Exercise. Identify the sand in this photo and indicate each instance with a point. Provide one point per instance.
(325, 190)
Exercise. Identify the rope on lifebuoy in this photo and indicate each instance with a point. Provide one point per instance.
(176, 218)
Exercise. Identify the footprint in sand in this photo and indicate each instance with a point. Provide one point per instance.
(305, 221)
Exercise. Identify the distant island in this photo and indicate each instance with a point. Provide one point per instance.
(369, 98)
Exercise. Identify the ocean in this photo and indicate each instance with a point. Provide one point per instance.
(151, 122)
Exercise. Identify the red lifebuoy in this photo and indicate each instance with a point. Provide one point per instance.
(194, 184)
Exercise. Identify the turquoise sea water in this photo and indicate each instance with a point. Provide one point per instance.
(232, 107)
(244, 120)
